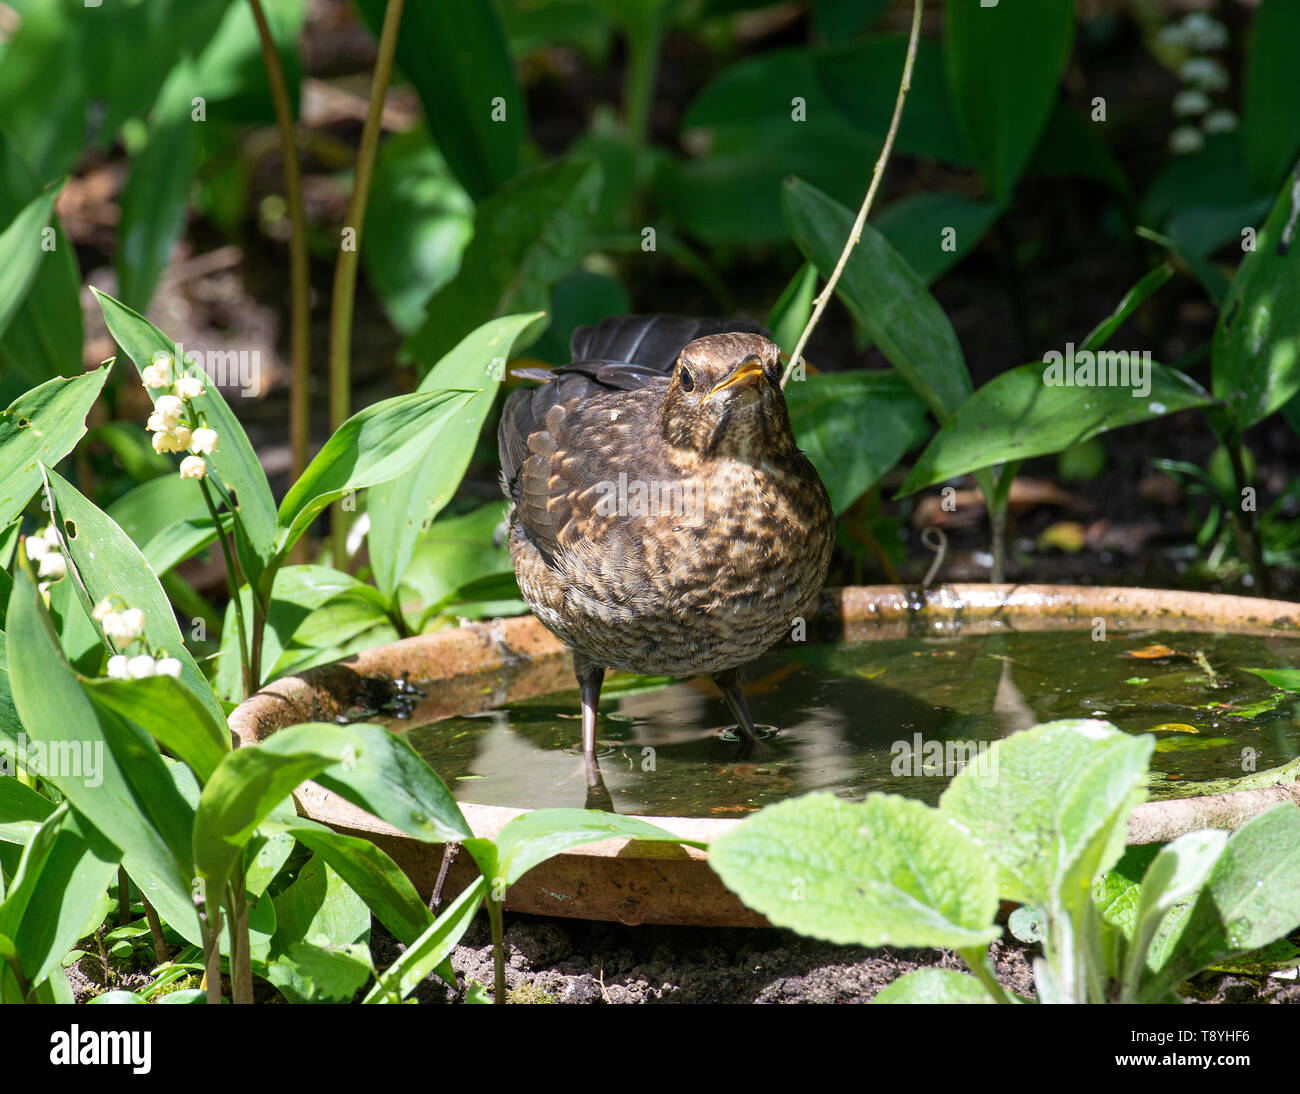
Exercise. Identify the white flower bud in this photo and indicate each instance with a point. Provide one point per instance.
(1191, 101)
(132, 623)
(168, 666)
(102, 610)
(204, 442)
(1185, 139)
(164, 441)
(117, 668)
(1204, 73)
(1219, 121)
(181, 437)
(36, 547)
(193, 467)
(53, 566)
(188, 387)
(169, 409)
(51, 535)
(140, 667)
(156, 375)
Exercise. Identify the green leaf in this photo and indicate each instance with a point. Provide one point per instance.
(934, 986)
(1270, 125)
(1256, 357)
(42, 426)
(536, 836)
(1133, 299)
(1176, 873)
(793, 308)
(318, 953)
(1004, 66)
(402, 508)
(108, 564)
(1289, 679)
(917, 227)
(22, 810)
(418, 223)
(155, 199)
(1249, 900)
(455, 54)
(827, 411)
(527, 236)
(234, 461)
(22, 245)
(44, 335)
(129, 795)
(459, 551)
(431, 949)
(374, 876)
(1019, 414)
(60, 878)
(887, 871)
(170, 713)
(371, 447)
(1051, 815)
(885, 296)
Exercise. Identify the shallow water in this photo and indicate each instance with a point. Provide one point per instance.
(898, 715)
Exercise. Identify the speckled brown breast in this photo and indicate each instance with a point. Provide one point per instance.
(641, 562)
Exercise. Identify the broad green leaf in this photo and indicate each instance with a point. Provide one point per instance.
(455, 54)
(1270, 126)
(318, 954)
(1004, 64)
(458, 551)
(62, 875)
(1051, 814)
(1256, 358)
(1020, 414)
(22, 810)
(527, 235)
(885, 296)
(1177, 872)
(827, 412)
(169, 712)
(155, 199)
(125, 791)
(1072, 145)
(1249, 900)
(108, 564)
(418, 223)
(536, 836)
(371, 447)
(234, 461)
(793, 308)
(932, 232)
(22, 245)
(374, 876)
(431, 949)
(44, 336)
(934, 986)
(42, 426)
(887, 871)
(401, 509)
(1289, 679)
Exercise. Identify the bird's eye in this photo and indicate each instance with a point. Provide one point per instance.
(686, 379)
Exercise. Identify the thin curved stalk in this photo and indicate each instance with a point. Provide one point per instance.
(905, 85)
(345, 271)
(300, 287)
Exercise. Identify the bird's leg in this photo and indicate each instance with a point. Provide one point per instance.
(590, 677)
(728, 683)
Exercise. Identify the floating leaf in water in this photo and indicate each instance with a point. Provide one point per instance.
(1138, 681)
(1175, 727)
(1186, 744)
(1288, 679)
(1152, 653)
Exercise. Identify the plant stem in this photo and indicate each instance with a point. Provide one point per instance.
(905, 85)
(345, 271)
(300, 287)
(498, 950)
(161, 952)
(241, 964)
(977, 959)
(1247, 530)
(210, 921)
(643, 38)
(232, 575)
(123, 898)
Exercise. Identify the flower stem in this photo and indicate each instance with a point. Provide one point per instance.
(819, 305)
(300, 288)
(232, 575)
(345, 270)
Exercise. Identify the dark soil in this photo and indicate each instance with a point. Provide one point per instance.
(572, 961)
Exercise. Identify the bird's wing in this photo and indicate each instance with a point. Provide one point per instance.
(644, 342)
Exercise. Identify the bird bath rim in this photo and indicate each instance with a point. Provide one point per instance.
(658, 883)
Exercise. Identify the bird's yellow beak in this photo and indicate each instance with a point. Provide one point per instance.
(749, 371)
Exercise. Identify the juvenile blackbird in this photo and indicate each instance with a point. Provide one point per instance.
(662, 519)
